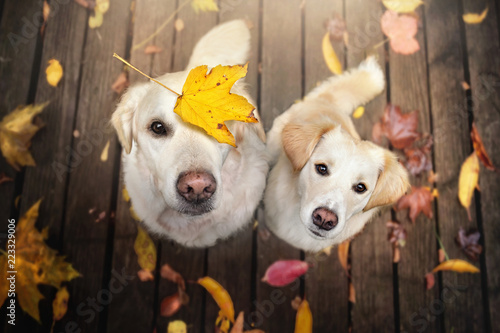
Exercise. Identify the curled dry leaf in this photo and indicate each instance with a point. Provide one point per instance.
(204, 6)
(145, 250)
(456, 265)
(480, 150)
(399, 128)
(336, 27)
(331, 59)
(418, 159)
(283, 272)
(220, 295)
(152, 49)
(343, 251)
(121, 83)
(54, 72)
(402, 6)
(170, 305)
(474, 18)
(468, 241)
(429, 281)
(16, 130)
(468, 181)
(401, 30)
(168, 273)
(303, 319)
(177, 326)
(60, 304)
(419, 200)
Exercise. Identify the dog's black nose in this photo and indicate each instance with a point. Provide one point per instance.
(196, 187)
(324, 218)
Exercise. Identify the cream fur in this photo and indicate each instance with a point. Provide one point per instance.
(319, 130)
(152, 164)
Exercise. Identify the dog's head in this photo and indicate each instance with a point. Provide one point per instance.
(184, 163)
(339, 176)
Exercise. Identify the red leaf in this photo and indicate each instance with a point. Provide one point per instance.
(401, 29)
(170, 305)
(399, 128)
(419, 200)
(283, 272)
(480, 150)
(468, 241)
(418, 159)
(429, 280)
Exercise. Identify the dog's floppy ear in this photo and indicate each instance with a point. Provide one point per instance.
(300, 139)
(122, 118)
(392, 182)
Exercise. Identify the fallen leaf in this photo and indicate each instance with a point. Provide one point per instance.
(125, 194)
(343, 251)
(352, 293)
(168, 273)
(327, 250)
(133, 214)
(331, 59)
(468, 241)
(220, 296)
(16, 131)
(396, 254)
(303, 319)
(152, 49)
(102, 6)
(441, 255)
(104, 154)
(145, 275)
(54, 72)
(418, 159)
(399, 128)
(359, 112)
(402, 6)
(336, 27)
(4, 178)
(145, 250)
(96, 20)
(429, 281)
(179, 25)
(401, 30)
(204, 6)
(121, 83)
(46, 13)
(480, 150)
(465, 85)
(397, 233)
(468, 181)
(377, 133)
(170, 305)
(177, 326)
(283, 272)
(433, 177)
(35, 263)
(76, 133)
(296, 302)
(206, 101)
(474, 18)
(456, 265)
(238, 324)
(60, 304)
(419, 200)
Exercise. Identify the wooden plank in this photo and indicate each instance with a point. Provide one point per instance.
(326, 282)
(92, 182)
(148, 17)
(484, 67)
(190, 263)
(371, 253)
(409, 89)
(452, 146)
(280, 86)
(230, 262)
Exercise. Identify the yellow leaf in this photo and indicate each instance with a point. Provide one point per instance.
(96, 20)
(177, 326)
(204, 6)
(125, 194)
(303, 320)
(358, 113)
(402, 6)
(102, 6)
(456, 265)
(35, 263)
(16, 131)
(54, 72)
(206, 101)
(60, 304)
(220, 296)
(473, 18)
(343, 253)
(331, 59)
(104, 154)
(467, 181)
(145, 250)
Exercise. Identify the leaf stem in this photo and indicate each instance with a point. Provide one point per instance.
(149, 77)
(441, 244)
(161, 27)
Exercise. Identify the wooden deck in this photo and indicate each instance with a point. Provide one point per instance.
(286, 62)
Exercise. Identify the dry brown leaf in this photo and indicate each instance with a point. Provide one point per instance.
(152, 49)
(419, 200)
(418, 159)
(399, 128)
(480, 150)
(469, 242)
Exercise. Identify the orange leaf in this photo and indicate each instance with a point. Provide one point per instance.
(343, 251)
(220, 296)
(419, 200)
(303, 320)
(352, 293)
(456, 265)
(238, 325)
(170, 305)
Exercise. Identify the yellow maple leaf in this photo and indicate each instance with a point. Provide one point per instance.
(54, 72)
(16, 131)
(35, 263)
(331, 59)
(473, 18)
(468, 181)
(402, 6)
(145, 249)
(204, 6)
(206, 101)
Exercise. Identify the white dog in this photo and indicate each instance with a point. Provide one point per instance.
(184, 184)
(327, 183)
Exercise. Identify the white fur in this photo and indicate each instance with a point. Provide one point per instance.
(292, 195)
(152, 167)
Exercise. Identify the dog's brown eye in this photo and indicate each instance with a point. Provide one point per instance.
(158, 128)
(360, 188)
(322, 169)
